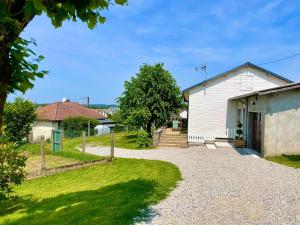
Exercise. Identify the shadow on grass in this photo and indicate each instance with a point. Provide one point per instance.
(294, 158)
(112, 205)
(129, 138)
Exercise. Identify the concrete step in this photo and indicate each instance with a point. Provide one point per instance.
(226, 140)
(210, 146)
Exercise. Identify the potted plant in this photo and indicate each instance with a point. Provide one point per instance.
(239, 141)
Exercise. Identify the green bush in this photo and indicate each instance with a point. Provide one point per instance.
(17, 120)
(239, 130)
(73, 126)
(143, 139)
(12, 168)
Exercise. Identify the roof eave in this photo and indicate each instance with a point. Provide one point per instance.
(236, 68)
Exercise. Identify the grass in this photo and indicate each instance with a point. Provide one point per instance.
(108, 194)
(52, 161)
(69, 150)
(288, 160)
(70, 154)
(122, 140)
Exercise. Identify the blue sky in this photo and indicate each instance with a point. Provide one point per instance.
(181, 34)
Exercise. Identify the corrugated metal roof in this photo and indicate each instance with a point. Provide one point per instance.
(247, 64)
(269, 91)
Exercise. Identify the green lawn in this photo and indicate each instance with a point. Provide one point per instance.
(33, 163)
(107, 194)
(69, 150)
(288, 160)
(70, 154)
(122, 140)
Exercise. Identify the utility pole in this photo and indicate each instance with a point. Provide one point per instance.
(88, 101)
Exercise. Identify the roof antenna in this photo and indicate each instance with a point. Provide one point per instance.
(203, 68)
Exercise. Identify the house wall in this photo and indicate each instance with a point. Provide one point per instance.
(281, 122)
(42, 128)
(209, 108)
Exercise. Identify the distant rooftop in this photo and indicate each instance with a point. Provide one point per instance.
(59, 111)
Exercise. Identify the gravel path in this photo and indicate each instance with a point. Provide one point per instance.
(223, 186)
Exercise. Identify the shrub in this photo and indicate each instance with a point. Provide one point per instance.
(12, 168)
(73, 126)
(143, 139)
(17, 120)
(239, 130)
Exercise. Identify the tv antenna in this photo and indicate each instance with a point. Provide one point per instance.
(202, 68)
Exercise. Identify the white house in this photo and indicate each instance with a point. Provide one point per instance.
(211, 113)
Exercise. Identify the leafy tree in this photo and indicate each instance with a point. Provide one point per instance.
(18, 119)
(73, 126)
(12, 168)
(117, 117)
(143, 139)
(18, 63)
(137, 118)
(150, 97)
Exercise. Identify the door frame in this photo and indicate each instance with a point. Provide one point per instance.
(258, 131)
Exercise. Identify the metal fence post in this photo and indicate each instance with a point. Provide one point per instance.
(43, 155)
(83, 141)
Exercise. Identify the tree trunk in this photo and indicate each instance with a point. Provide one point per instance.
(5, 78)
(3, 97)
(149, 125)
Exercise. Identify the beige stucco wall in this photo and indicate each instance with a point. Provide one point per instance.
(42, 128)
(281, 122)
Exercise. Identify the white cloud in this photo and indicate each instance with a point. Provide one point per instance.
(269, 7)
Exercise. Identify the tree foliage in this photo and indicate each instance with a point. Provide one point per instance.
(150, 97)
(12, 168)
(18, 119)
(143, 139)
(18, 63)
(73, 126)
(239, 130)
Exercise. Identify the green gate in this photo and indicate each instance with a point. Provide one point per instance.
(56, 140)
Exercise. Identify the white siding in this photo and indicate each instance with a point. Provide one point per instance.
(209, 108)
(42, 128)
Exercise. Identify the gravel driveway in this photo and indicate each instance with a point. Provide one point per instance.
(223, 186)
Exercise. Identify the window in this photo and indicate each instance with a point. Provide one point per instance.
(246, 82)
